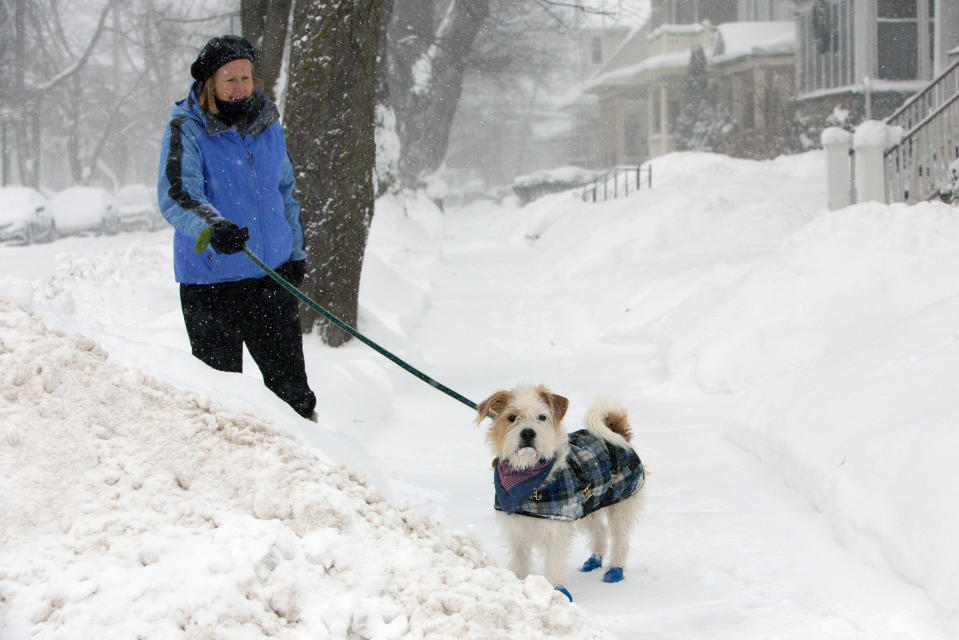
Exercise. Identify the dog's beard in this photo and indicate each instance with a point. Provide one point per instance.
(524, 458)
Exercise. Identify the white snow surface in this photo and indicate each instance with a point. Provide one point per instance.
(789, 372)
(835, 135)
(876, 134)
(744, 38)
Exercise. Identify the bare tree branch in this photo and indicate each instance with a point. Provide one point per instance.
(218, 16)
(82, 60)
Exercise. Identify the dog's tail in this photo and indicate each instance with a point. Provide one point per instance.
(607, 420)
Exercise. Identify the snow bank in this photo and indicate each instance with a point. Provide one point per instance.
(134, 509)
(837, 329)
(845, 343)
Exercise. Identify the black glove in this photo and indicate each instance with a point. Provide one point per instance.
(227, 238)
(293, 271)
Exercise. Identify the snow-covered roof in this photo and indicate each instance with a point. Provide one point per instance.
(627, 74)
(737, 39)
(568, 174)
(602, 14)
(576, 98)
(678, 29)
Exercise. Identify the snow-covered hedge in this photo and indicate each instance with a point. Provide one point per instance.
(538, 183)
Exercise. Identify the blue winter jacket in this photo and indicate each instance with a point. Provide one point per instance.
(209, 172)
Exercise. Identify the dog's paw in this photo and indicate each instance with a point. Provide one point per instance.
(594, 562)
(565, 592)
(615, 574)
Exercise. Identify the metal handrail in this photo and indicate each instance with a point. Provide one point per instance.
(920, 105)
(919, 163)
(621, 179)
(917, 166)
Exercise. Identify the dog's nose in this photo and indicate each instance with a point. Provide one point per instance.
(527, 436)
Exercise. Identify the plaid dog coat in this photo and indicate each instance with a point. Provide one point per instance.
(596, 475)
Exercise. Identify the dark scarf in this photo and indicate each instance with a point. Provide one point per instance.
(515, 486)
(238, 114)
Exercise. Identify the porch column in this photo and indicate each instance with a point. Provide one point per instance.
(946, 32)
(837, 143)
(872, 137)
(864, 40)
(619, 128)
(738, 98)
(759, 99)
(664, 120)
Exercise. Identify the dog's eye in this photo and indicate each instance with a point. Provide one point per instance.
(541, 417)
(511, 417)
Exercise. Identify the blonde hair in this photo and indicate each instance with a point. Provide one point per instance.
(208, 96)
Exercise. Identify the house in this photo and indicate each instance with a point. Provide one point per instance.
(598, 38)
(641, 89)
(894, 60)
(868, 56)
(778, 68)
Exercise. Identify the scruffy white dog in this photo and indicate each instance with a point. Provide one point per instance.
(548, 481)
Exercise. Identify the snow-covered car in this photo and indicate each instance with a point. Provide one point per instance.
(24, 216)
(138, 209)
(83, 210)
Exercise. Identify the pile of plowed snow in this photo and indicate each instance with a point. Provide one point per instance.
(135, 509)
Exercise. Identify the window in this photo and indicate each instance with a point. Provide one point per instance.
(827, 55)
(896, 9)
(766, 10)
(905, 32)
(674, 111)
(597, 50)
(685, 12)
(897, 34)
(631, 137)
(749, 106)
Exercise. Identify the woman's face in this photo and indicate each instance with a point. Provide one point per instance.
(233, 82)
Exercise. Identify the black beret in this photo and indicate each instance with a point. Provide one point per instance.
(217, 52)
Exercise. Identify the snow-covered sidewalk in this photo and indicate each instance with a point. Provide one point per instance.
(725, 549)
(788, 371)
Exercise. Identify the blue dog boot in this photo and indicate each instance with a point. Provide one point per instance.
(564, 592)
(615, 574)
(594, 562)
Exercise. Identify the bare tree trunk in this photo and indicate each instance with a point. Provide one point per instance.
(329, 118)
(26, 145)
(387, 152)
(253, 19)
(264, 25)
(74, 134)
(4, 156)
(411, 33)
(427, 108)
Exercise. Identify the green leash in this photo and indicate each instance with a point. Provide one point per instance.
(356, 334)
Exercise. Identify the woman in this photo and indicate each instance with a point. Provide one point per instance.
(224, 166)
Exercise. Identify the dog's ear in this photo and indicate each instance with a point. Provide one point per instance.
(557, 404)
(492, 405)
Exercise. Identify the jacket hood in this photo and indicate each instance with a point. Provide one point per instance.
(267, 113)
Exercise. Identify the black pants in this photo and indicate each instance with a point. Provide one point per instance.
(221, 317)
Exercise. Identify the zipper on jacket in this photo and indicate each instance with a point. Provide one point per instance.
(259, 201)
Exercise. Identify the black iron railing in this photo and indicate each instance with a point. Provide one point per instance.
(618, 182)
